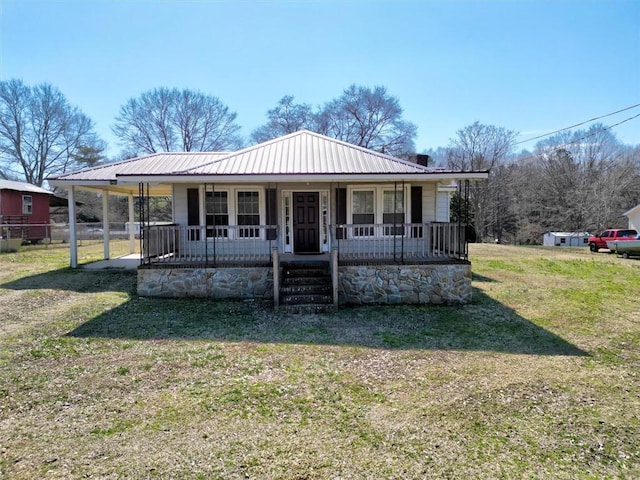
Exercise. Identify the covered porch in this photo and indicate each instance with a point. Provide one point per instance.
(378, 243)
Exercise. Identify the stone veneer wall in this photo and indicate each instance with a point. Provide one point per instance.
(231, 282)
(363, 284)
(387, 284)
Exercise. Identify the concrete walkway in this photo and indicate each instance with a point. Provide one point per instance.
(126, 262)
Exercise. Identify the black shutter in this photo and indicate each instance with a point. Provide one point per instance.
(272, 213)
(416, 211)
(193, 211)
(341, 211)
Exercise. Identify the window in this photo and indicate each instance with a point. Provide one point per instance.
(217, 213)
(248, 214)
(27, 204)
(363, 212)
(563, 240)
(393, 212)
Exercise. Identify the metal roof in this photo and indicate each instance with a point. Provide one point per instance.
(306, 153)
(154, 164)
(22, 187)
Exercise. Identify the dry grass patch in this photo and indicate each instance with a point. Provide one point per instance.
(535, 379)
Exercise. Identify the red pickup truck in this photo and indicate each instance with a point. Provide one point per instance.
(597, 242)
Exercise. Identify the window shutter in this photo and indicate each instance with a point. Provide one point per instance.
(341, 211)
(272, 213)
(416, 211)
(193, 211)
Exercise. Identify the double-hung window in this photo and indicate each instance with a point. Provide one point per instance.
(248, 214)
(363, 212)
(217, 213)
(393, 212)
(27, 204)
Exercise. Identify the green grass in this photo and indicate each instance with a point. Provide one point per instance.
(537, 378)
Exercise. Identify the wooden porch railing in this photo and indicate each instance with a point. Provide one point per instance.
(208, 244)
(399, 243)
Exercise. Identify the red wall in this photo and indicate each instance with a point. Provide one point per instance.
(11, 204)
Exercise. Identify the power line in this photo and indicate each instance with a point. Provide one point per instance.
(577, 141)
(580, 124)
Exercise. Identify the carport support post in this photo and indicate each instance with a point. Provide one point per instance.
(105, 223)
(132, 233)
(73, 244)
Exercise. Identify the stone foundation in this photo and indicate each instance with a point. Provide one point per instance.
(440, 283)
(409, 284)
(237, 282)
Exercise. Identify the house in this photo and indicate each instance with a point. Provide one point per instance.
(26, 208)
(294, 213)
(634, 217)
(565, 239)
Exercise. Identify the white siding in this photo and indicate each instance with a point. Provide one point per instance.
(180, 203)
(634, 221)
(435, 205)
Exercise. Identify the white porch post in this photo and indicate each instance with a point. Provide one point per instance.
(73, 244)
(105, 223)
(132, 233)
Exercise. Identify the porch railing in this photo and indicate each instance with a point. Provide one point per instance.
(400, 242)
(207, 244)
(254, 243)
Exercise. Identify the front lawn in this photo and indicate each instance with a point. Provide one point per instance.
(537, 378)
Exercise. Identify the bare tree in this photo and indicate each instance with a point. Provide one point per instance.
(480, 147)
(166, 120)
(286, 117)
(588, 174)
(41, 134)
(370, 118)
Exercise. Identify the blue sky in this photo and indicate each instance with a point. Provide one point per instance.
(529, 66)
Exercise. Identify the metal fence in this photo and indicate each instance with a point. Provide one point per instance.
(59, 233)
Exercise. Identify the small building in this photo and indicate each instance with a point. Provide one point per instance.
(24, 211)
(634, 217)
(566, 239)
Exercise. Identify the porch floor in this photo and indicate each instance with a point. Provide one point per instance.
(125, 262)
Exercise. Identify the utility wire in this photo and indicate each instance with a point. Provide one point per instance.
(579, 124)
(577, 141)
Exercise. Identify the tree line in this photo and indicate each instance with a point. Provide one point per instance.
(575, 180)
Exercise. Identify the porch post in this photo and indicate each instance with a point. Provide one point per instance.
(276, 278)
(334, 275)
(105, 223)
(132, 232)
(73, 244)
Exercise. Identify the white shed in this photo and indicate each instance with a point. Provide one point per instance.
(566, 239)
(634, 217)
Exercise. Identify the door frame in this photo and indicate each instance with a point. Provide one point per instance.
(324, 217)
